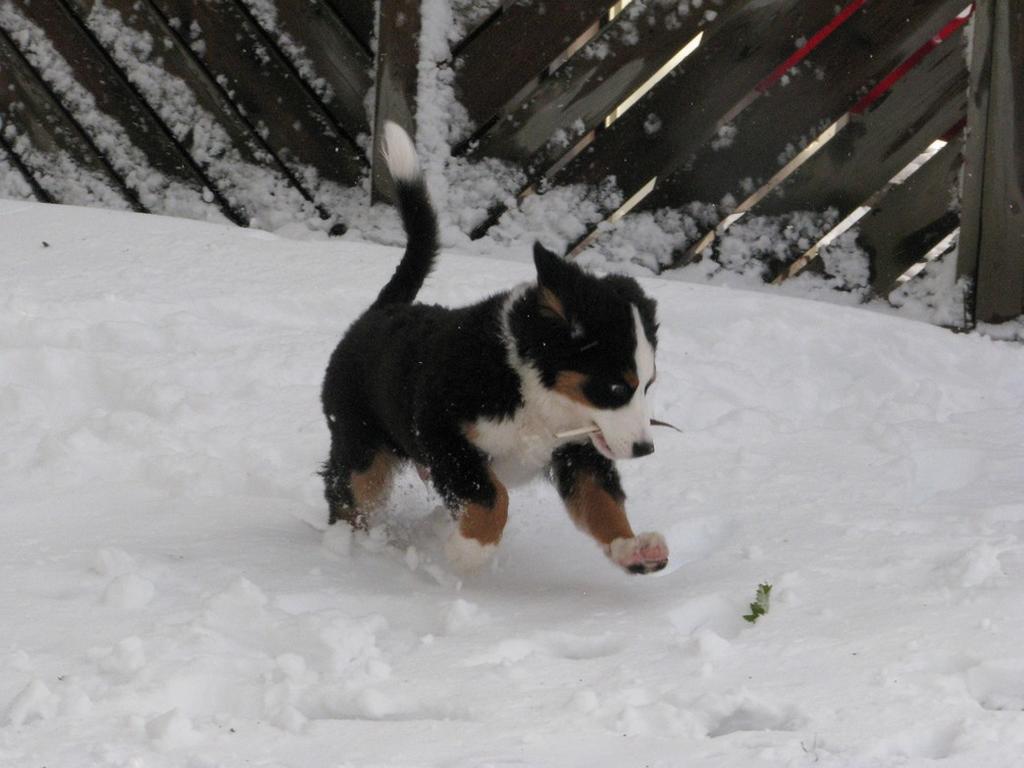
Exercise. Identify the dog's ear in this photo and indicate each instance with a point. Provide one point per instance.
(553, 272)
(550, 305)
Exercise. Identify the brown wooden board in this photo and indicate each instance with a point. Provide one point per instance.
(324, 53)
(911, 219)
(265, 89)
(47, 144)
(975, 147)
(176, 86)
(862, 51)
(516, 49)
(359, 17)
(580, 94)
(992, 233)
(103, 104)
(397, 68)
(748, 40)
(878, 143)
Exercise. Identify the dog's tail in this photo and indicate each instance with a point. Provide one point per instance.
(418, 218)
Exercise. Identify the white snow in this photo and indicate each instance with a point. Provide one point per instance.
(13, 184)
(262, 191)
(725, 137)
(265, 12)
(467, 15)
(937, 295)
(154, 190)
(55, 170)
(167, 597)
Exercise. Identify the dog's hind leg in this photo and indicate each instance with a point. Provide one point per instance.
(589, 485)
(357, 478)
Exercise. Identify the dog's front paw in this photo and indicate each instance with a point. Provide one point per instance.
(646, 553)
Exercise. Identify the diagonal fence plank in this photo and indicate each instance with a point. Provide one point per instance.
(516, 49)
(47, 144)
(127, 134)
(580, 95)
(359, 16)
(324, 54)
(862, 51)
(748, 40)
(882, 140)
(195, 110)
(264, 89)
(911, 219)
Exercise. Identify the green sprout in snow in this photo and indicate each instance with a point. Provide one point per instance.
(762, 601)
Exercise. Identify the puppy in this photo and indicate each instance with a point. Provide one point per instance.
(476, 396)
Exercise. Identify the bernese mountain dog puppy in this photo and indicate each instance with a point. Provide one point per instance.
(480, 397)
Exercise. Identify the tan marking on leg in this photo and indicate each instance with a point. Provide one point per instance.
(570, 384)
(369, 488)
(597, 512)
(486, 524)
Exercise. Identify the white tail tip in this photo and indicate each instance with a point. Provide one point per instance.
(400, 153)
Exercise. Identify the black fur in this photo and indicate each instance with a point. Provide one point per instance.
(597, 335)
(408, 378)
(420, 224)
(576, 460)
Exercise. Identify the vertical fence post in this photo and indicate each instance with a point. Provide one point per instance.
(398, 32)
(992, 225)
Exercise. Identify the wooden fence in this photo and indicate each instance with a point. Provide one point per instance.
(244, 108)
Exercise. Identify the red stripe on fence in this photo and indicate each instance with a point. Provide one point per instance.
(816, 39)
(955, 131)
(915, 58)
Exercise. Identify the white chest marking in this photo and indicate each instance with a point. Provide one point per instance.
(520, 447)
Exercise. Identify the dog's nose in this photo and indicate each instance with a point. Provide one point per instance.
(642, 449)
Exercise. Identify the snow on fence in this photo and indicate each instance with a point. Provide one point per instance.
(260, 111)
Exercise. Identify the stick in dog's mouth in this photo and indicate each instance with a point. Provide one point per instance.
(593, 428)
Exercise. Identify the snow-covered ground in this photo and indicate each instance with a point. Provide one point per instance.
(167, 597)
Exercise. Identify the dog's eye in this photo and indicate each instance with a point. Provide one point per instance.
(609, 391)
